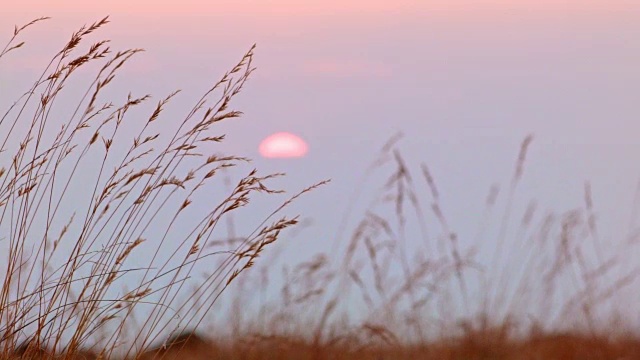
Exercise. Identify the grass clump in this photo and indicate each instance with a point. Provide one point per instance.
(89, 184)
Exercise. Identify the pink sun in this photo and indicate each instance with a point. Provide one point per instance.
(283, 145)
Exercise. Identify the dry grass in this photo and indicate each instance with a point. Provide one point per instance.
(84, 191)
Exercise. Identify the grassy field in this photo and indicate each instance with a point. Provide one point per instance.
(85, 190)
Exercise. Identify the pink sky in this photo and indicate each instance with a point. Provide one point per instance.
(355, 8)
(444, 50)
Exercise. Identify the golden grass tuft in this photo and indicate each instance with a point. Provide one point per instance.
(110, 185)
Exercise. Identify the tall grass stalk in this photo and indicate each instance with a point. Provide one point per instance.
(101, 206)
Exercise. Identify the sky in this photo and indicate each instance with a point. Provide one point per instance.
(464, 80)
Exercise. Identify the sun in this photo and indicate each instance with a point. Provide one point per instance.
(283, 145)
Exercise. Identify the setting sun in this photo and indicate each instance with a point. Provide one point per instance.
(283, 145)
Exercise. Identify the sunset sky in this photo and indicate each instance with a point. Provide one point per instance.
(464, 80)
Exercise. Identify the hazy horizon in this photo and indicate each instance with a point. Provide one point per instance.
(464, 82)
